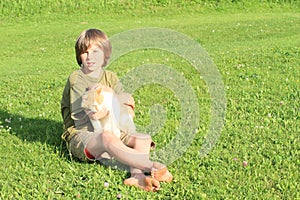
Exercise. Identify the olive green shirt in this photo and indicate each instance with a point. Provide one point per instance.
(74, 116)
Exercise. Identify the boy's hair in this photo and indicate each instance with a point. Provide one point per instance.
(89, 37)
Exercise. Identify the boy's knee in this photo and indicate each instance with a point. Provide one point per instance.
(107, 137)
(144, 138)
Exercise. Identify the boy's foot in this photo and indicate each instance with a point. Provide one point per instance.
(161, 173)
(146, 183)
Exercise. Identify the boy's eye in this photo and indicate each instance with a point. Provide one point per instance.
(96, 50)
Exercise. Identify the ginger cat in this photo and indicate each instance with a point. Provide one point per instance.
(120, 108)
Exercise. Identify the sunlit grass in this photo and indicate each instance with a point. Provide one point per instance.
(257, 55)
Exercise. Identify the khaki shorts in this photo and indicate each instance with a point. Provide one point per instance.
(77, 145)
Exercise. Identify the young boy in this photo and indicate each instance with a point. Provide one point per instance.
(93, 50)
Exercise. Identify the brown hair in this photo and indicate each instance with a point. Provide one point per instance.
(89, 37)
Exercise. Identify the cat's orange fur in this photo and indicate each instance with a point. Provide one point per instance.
(120, 107)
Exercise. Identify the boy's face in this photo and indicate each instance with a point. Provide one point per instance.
(92, 59)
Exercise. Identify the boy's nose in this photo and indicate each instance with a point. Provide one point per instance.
(89, 55)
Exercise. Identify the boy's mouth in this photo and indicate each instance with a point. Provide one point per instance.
(90, 63)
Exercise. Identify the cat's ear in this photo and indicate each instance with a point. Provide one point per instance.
(99, 90)
(98, 96)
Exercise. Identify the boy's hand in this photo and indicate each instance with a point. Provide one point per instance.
(131, 106)
(127, 100)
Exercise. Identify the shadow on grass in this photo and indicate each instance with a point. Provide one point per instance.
(35, 130)
(44, 131)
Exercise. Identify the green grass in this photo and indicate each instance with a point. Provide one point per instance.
(256, 50)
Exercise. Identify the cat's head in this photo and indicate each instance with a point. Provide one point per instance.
(92, 99)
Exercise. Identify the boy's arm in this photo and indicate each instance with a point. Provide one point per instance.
(127, 100)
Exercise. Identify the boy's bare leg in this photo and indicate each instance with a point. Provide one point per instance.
(139, 161)
(141, 143)
(108, 142)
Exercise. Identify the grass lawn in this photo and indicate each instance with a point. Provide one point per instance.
(257, 54)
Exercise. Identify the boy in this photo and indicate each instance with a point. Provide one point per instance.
(93, 50)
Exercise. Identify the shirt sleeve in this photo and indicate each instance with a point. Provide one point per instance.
(77, 88)
(65, 107)
(111, 79)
